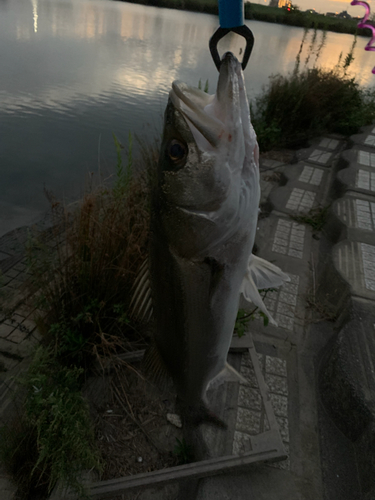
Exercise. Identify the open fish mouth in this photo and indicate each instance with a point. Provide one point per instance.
(215, 119)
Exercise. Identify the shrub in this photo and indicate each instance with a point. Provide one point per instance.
(83, 285)
(54, 438)
(309, 103)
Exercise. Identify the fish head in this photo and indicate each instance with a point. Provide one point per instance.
(204, 142)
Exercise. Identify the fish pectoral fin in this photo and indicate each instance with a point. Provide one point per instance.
(261, 274)
(227, 374)
(141, 302)
(265, 274)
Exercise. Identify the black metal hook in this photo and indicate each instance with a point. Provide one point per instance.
(221, 32)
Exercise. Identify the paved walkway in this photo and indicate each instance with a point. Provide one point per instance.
(319, 362)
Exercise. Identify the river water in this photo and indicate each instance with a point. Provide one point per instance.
(73, 72)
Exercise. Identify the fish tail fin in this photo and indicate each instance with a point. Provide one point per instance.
(200, 414)
(261, 274)
(227, 374)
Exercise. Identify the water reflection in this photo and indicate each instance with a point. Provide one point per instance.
(35, 14)
(74, 71)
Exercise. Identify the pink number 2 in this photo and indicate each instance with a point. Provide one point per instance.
(363, 24)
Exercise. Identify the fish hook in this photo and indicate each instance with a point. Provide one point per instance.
(363, 24)
(221, 32)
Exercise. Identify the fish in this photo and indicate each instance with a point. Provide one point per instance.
(203, 223)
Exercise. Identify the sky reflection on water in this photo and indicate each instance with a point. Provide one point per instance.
(74, 71)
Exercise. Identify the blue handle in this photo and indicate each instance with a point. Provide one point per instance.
(231, 13)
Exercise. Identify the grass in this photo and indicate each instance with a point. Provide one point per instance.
(311, 102)
(243, 316)
(53, 438)
(84, 285)
(81, 284)
(316, 217)
(303, 19)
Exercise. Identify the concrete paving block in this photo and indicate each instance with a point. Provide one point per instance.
(294, 200)
(352, 217)
(17, 351)
(329, 143)
(17, 336)
(365, 138)
(7, 363)
(355, 262)
(347, 374)
(359, 156)
(306, 176)
(263, 483)
(357, 179)
(276, 366)
(276, 384)
(287, 244)
(5, 330)
(248, 397)
(283, 240)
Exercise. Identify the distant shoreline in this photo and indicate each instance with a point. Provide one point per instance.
(264, 13)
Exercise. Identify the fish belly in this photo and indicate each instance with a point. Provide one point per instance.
(195, 307)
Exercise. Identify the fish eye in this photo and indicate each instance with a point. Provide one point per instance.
(177, 150)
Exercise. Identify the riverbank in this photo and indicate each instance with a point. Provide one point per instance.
(311, 322)
(267, 14)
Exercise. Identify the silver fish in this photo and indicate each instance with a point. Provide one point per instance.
(204, 219)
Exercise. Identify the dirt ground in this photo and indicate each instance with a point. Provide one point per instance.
(132, 430)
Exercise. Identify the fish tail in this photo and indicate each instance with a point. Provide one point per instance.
(195, 415)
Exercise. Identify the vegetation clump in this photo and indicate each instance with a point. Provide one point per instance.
(82, 275)
(54, 437)
(311, 102)
(316, 217)
(83, 286)
(292, 17)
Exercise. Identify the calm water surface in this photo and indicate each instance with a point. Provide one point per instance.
(73, 72)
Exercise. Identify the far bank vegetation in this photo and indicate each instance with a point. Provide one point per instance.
(258, 12)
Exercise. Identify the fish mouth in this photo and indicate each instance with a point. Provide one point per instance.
(212, 118)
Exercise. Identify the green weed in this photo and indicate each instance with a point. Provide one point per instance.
(183, 452)
(316, 217)
(206, 86)
(243, 317)
(53, 440)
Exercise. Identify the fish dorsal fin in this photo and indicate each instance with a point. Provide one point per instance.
(261, 274)
(141, 302)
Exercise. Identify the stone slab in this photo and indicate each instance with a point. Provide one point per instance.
(359, 156)
(357, 179)
(286, 244)
(264, 483)
(355, 262)
(347, 387)
(366, 137)
(293, 200)
(354, 214)
(306, 176)
(322, 150)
